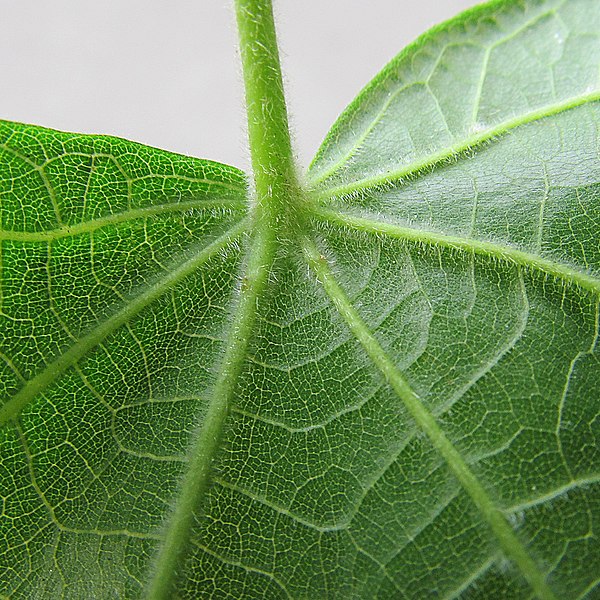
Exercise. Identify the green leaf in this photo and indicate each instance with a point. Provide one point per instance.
(389, 391)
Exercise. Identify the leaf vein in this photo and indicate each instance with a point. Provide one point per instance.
(509, 542)
(457, 149)
(243, 566)
(115, 219)
(13, 407)
(568, 274)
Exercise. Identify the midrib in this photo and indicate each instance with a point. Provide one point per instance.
(429, 161)
(509, 542)
(276, 193)
(206, 444)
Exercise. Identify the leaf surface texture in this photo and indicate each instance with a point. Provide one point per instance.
(445, 270)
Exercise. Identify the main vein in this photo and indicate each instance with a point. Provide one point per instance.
(11, 409)
(206, 443)
(527, 260)
(509, 542)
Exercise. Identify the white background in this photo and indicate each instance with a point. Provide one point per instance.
(166, 73)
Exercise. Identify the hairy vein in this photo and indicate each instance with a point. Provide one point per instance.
(40, 382)
(206, 443)
(460, 147)
(566, 273)
(555, 493)
(114, 219)
(393, 66)
(509, 542)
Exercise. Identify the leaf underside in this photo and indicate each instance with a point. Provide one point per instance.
(449, 240)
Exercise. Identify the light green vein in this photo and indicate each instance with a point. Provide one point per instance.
(554, 494)
(470, 579)
(40, 382)
(206, 443)
(383, 77)
(589, 588)
(215, 167)
(114, 219)
(247, 568)
(51, 195)
(527, 260)
(470, 142)
(509, 542)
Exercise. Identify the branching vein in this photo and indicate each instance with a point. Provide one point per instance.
(566, 273)
(509, 542)
(78, 350)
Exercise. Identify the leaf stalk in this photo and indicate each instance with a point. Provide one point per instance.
(275, 180)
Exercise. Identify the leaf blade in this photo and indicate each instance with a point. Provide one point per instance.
(480, 28)
(322, 484)
(138, 230)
